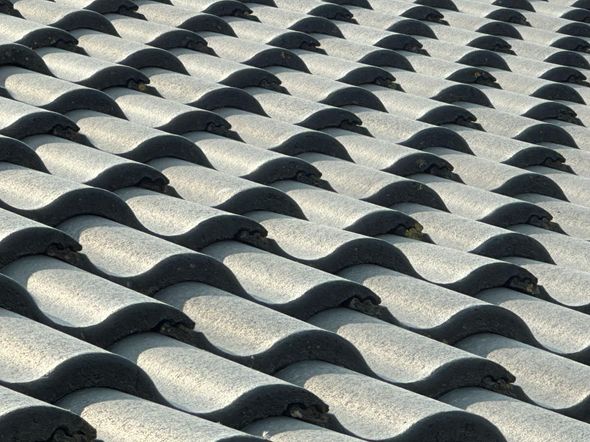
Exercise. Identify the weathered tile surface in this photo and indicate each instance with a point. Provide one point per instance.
(296, 220)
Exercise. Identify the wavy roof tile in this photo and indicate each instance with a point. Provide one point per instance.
(294, 220)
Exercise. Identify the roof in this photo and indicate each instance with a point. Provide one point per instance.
(296, 220)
